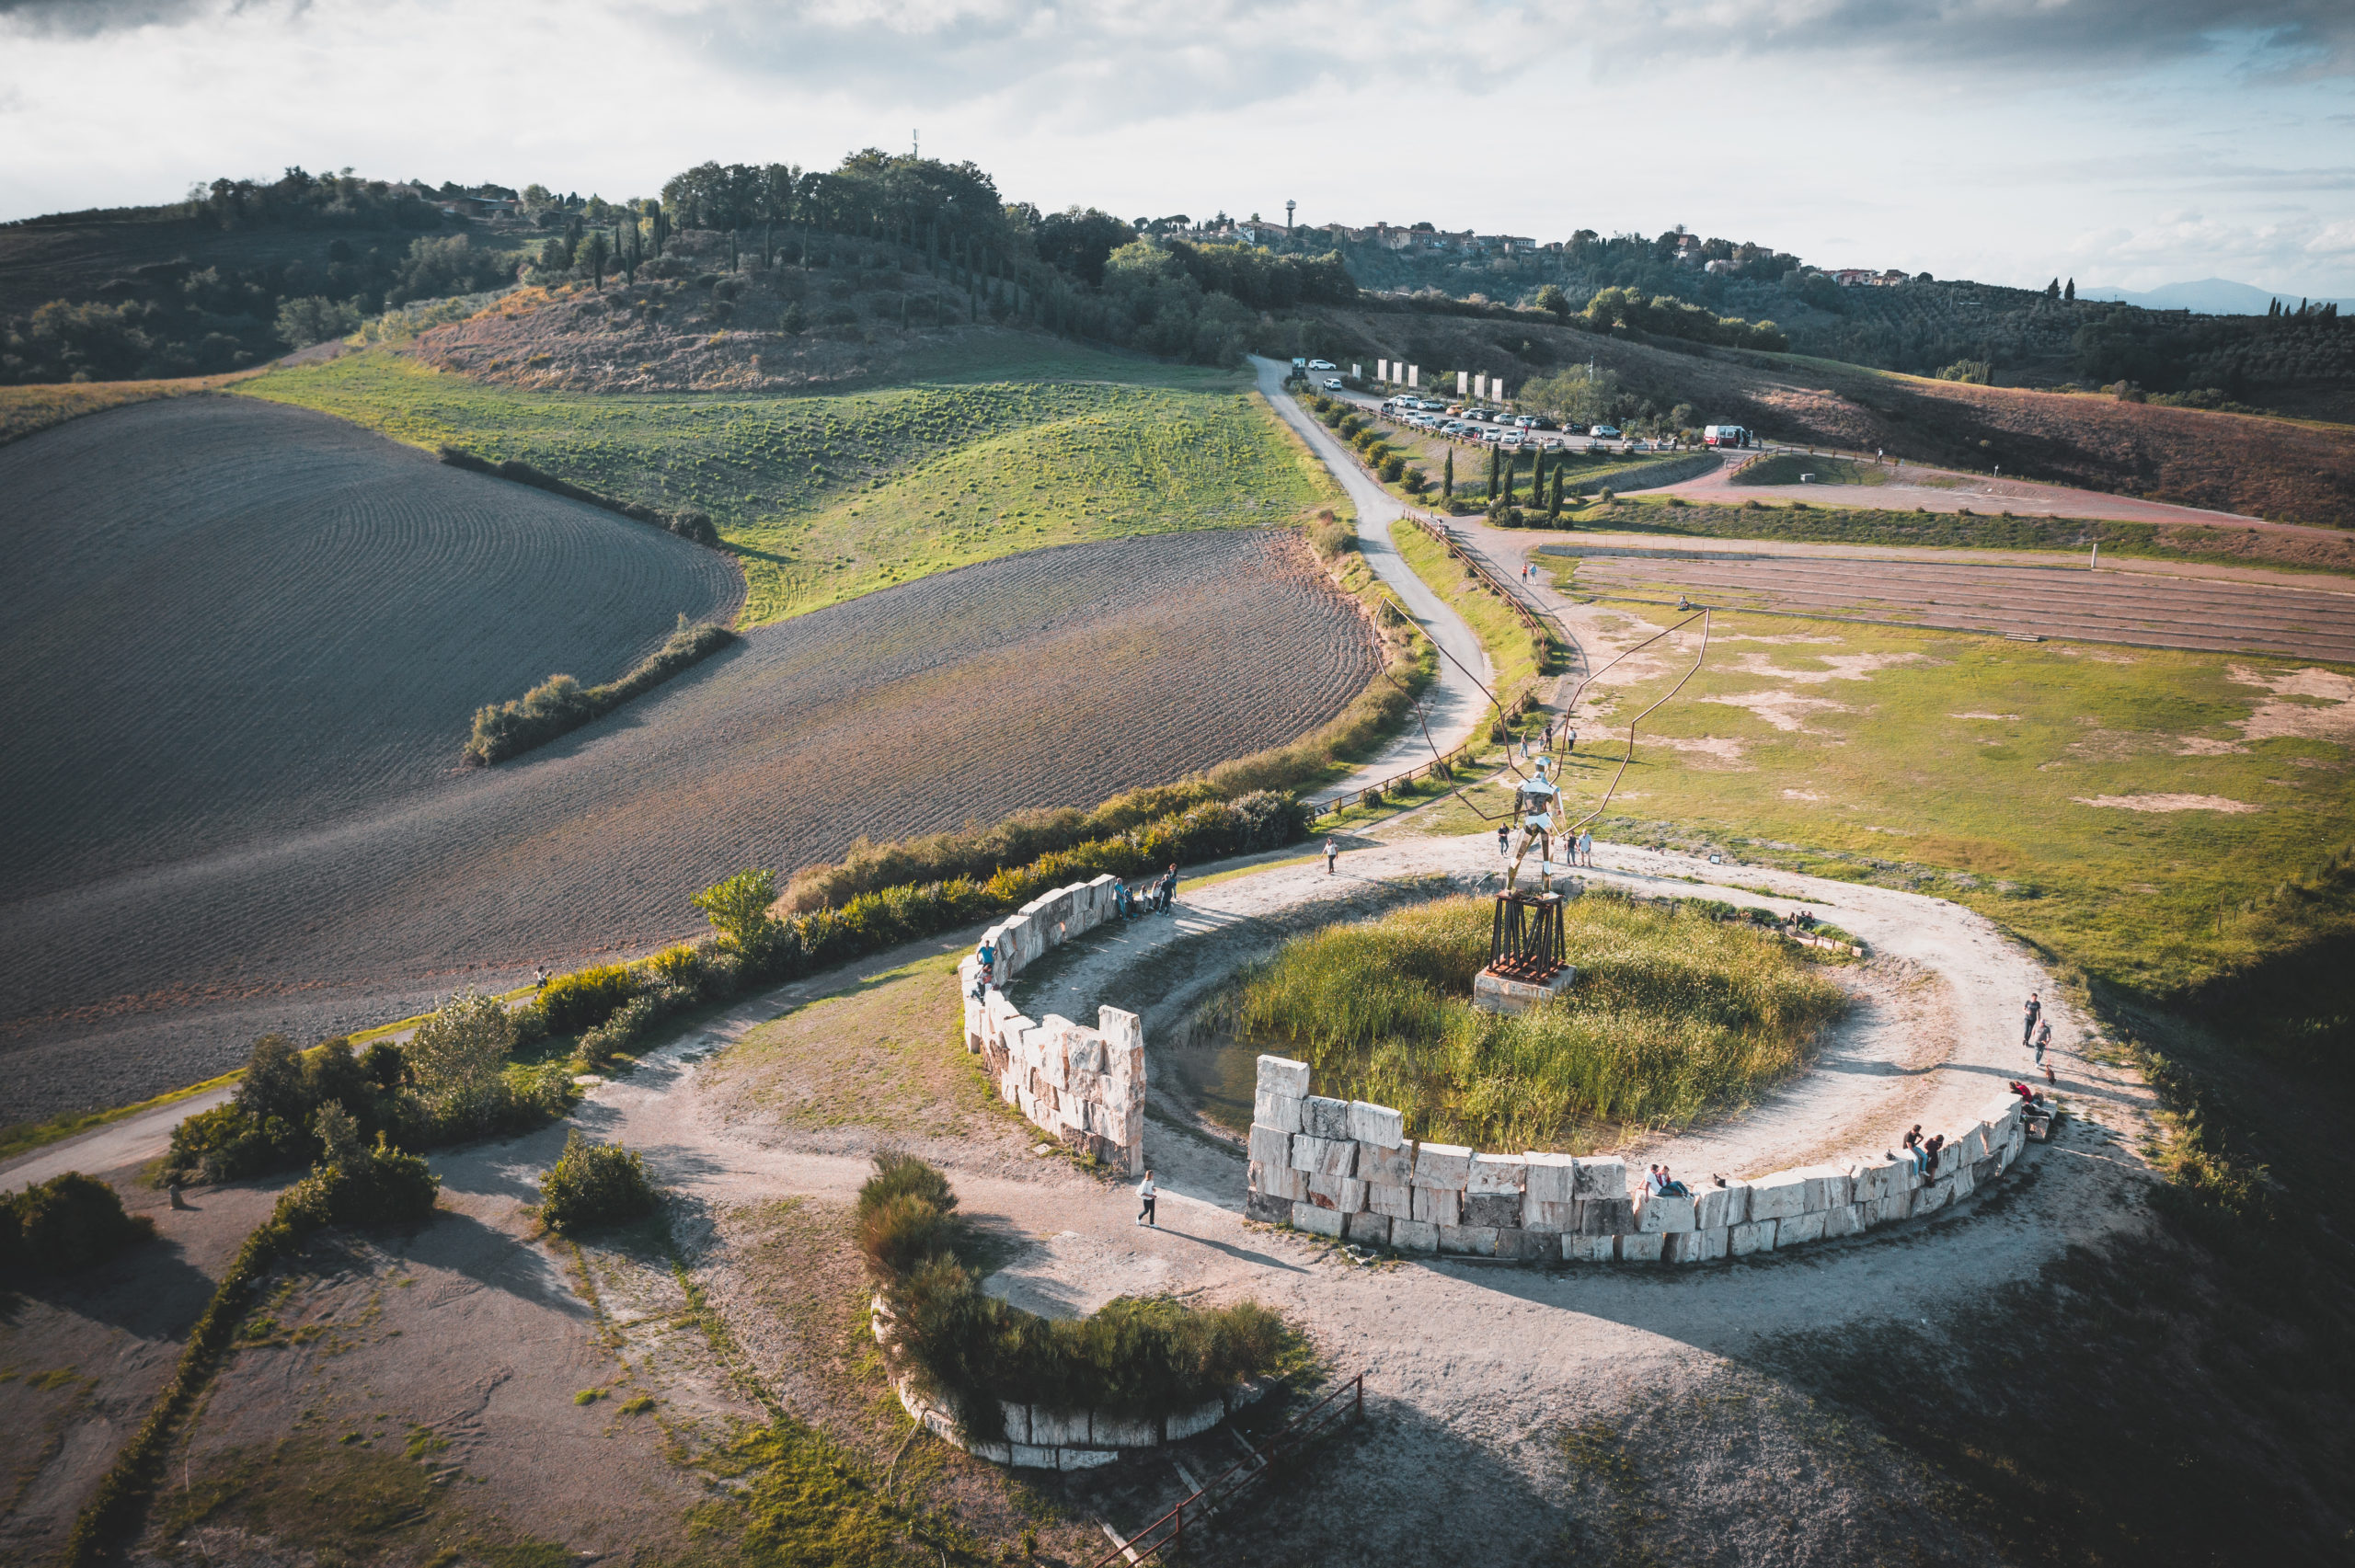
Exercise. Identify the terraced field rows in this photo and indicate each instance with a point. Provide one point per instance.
(1056, 677)
(228, 619)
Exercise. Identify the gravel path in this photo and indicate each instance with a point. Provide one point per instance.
(1454, 705)
(1948, 490)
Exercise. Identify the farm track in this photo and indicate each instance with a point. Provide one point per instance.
(1053, 677)
(2161, 612)
(228, 619)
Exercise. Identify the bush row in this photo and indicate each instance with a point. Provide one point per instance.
(560, 702)
(369, 1187)
(692, 525)
(1135, 1358)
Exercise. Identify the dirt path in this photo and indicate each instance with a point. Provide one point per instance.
(1911, 485)
(1453, 705)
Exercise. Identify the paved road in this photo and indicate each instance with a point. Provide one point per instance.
(1454, 708)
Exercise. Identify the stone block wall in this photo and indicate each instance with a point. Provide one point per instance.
(1344, 1169)
(1084, 1087)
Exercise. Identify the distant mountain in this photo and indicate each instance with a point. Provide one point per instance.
(2210, 296)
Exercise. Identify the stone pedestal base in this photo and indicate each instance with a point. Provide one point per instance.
(1497, 995)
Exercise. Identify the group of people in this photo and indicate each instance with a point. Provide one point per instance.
(1659, 1183)
(1126, 905)
(2036, 1031)
(1581, 847)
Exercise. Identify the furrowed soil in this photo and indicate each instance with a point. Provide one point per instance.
(229, 619)
(2262, 467)
(1053, 677)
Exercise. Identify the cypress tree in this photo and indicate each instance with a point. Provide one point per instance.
(2070, 293)
(1447, 479)
(1554, 503)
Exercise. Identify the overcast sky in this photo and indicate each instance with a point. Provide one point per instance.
(2127, 142)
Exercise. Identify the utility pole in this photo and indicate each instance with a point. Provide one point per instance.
(915, 144)
(1289, 205)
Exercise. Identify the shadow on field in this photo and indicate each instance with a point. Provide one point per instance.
(490, 1257)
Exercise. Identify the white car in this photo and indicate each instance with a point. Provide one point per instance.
(1332, 382)
(1322, 365)
(1604, 432)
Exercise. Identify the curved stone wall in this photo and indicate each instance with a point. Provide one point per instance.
(1344, 1169)
(1084, 1086)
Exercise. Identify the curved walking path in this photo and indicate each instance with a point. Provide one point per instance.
(1453, 706)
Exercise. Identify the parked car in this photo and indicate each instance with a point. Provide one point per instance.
(1604, 432)
(1322, 365)
(1543, 423)
(1332, 382)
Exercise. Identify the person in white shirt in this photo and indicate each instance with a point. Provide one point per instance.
(1145, 1197)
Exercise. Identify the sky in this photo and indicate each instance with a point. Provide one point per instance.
(2120, 143)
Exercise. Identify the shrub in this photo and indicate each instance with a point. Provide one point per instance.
(1134, 1358)
(594, 1183)
(739, 908)
(268, 1127)
(586, 998)
(630, 1024)
(561, 704)
(375, 1186)
(458, 1052)
(1394, 468)
(67, 1223)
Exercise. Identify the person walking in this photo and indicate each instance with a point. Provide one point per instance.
(539, 978)
(1146, 1195)
(1169, 887)
(1504, 840)
(1586, 848)
(2043, 1039)
(2029, 1015)
(1332, 853)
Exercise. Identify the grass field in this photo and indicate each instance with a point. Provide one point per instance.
(1675, 1015)
(24, 410)
(2132, 811)
(825, 498)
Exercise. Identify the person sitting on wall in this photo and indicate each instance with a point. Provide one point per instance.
(1120, 900)
(986, 954)
(1670, 1187)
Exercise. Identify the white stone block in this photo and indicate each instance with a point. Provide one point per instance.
(1755, 1236)
(1308, 1153)
(1057, 1428)
(1281, 1111)
(1392, 1167)
(1111, 1432)
(1441, 1165)
(1324, 1117)
(1658, 1216)
(1398, 1202)
(1270, 1146)
(1029, 1456)
(1337, 1157)
(1779, 1196)
(1414, 1235)
(1642, 1249)
(1713, 1208)
(1800, 1228)
(1344, 1193)
(1897, 1206)
(1950, 1157)
(1377, 1125)
(1551, 1178)
(1826, 1185)
(1845, 1219)
(1697, 1246)
(1017, 1421)
(1283, 1181)
(1468, 1240)
(1084, 1458)
(1493, 1175)
(1086, 1051)
(1316, 1221)
(1188, 1423)
(1556, 1217)
(1964, 1184)
(1281, 1075)
(1601, 1178)
(1590, 1248)
(1438, 1206)
(1931, 1199)
(1368, 1229)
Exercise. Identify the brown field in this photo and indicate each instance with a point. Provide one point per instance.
(2055, 601)
(1050, 679)
(229, 619)
(2273, 468)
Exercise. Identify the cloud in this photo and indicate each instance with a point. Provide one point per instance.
(89, 19)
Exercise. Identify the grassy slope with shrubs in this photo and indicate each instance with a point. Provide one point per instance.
(825, 497)
(1675, 1014)
(1134, 1358)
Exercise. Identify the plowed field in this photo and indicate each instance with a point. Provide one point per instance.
(225, 620)
(1052, 677)
(2108, 606)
